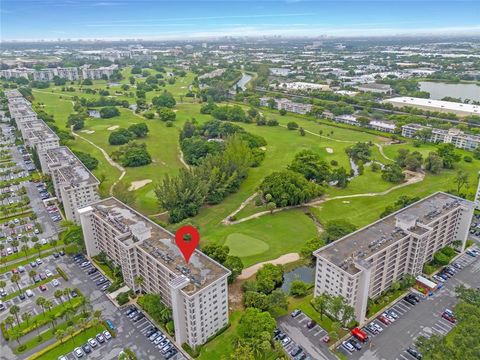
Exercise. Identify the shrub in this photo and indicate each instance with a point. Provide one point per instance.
(122, 298)
(467, 158)
(62, 273)
(168, 124)
(292, 125)
(334, 162)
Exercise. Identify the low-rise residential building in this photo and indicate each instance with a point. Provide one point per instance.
(366, 262)
(98, 73)
(44, 74)
(452, 136)
(75, 186)
(287, 105)
(70, 73)
(300, 85)
(212, 74)
(382, 125)
(197, 292)
(347, 119)
(435, 105)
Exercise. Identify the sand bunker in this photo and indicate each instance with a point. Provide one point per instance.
(139, 184)
(87, 131)
(329, 150)
(114, 127)
(264, 148)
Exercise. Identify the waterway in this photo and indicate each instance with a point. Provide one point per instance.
(439, 90)
(304, 273)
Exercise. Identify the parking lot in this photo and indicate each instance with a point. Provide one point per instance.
(422, 319)
(308, 339)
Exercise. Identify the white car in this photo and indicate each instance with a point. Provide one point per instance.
(62, 357)
(78, 352)
(378, 327)
(84, 264)
(92, 342)
(107, 334)
(48, 273)
(55, 282)
(438, 278)
(347, 346)
(39, 261)
(43, 241)
(29, 293)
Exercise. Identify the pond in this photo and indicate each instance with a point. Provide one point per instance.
(439, 90)
(304, 273)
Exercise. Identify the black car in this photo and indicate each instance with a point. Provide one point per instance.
(92, 271)
(73, 293)
(138, 317)
(150, 332)
(170, 353)
(296, 350)
(414, 353)
(87, 348)
(62, 252)
(311, 324)
(56, 255)
(22, 296)
(410, 300)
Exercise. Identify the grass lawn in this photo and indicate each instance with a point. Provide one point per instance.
(303, 303)
(7, 268)
(30, 252)
(384, 300)
(245, 245)
(70, 344)
(105, 268)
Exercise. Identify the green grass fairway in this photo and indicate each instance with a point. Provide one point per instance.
(245, 245)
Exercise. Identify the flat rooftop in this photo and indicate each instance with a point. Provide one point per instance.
(159, 243)
(373, 238)
(69, 168)
(437, 104)
(39, 130)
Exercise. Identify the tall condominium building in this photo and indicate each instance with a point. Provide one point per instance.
(197, 292)
(477, 196)
(70, 73)
(98, 73)
(366, 262)
(14, 73)
(452, 136)
(75, 186)
(44, 74)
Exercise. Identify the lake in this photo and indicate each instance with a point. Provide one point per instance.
(243, 81)
(439, 90)
(304, 273)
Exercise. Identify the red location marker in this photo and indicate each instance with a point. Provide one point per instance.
(187, 247)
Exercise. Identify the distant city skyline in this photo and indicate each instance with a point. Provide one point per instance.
(172, 20)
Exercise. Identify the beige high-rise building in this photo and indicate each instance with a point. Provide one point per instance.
(197, 292)
(366, 262)
(75, 186)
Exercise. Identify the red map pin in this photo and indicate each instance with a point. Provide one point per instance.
(187, 247)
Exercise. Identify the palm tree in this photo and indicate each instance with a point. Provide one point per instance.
(68, 313)
(97, 314)
(38, 247)
(26, 316)
(67, 292)
(2, 284)
(15, 243)
(9, 321)
(32, 274)
(70, 330)
(139, 281)
(16, 278)
(58, 295)
(14, 310)
(41, 302)
(52, 319)
(25, 249)
(83, 322)
(48, 304)
(59, 335)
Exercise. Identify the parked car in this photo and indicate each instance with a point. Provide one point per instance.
(414, 353)
(48, 273)
(286, 340)
(448, 315)
(93, 343)
(383, 319)
(360, 334)
(392, 313)
(55, 282)
(78, 352)
(296, 350)
(356, 344)
(311, 324)
(87, 348)
(39, 261)
(378, 327)
(29, 293)
(347, 346)
(100, 338)
(295, 313)
(43, 287)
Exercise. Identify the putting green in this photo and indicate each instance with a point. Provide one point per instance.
(244, 245)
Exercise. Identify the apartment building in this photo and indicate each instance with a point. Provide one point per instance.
(75, 186)
(288, 105)
(35, 132)
(70, 73)
(14, 73)
(44, 74)
(477, 195)
(98, 73)
(366, 262)
(452, 136)
(375, 88)
(197, 292)
(382, 125)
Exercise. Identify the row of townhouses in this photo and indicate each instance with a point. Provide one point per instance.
(71, 74)
(197, 292)
(366, 262)
(287, 105)
(451, 136)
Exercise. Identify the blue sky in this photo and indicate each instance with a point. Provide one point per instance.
(178, 19)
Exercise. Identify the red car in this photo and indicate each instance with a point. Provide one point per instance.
(42, 287)
(384, 320)
(449, 317)
(15, 271)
